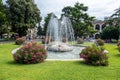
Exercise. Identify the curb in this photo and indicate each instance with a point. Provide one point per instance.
(63, 59)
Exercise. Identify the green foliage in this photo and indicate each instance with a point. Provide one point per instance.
(2, 14)
(3, 27)
(80, 41)
(30, 53)
(119, 48)
(110, 32)
(20, 41)
(118, 44)
(81, 21)
(94, 55)
(23, 14)
(114, 20)
(39, 30)
(91, 30)
(100, 42)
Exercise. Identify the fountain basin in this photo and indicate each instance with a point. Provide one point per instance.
(59, 47)
(71, 55)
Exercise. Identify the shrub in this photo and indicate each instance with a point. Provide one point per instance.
(119, 48)
(118, 44)
(80, 41)
(110, 32)
(100, 42)
(20, 41)
(46, 40)
(95, 55)
(30, 53)
(64, 40)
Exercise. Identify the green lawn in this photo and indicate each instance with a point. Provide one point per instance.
(84, 44)
(58, 70)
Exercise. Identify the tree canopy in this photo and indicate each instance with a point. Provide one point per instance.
(114, 19)
(3, 28)
(110, 32)
(23, 14)
(80, 19)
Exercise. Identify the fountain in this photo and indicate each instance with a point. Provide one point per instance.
(59, 32)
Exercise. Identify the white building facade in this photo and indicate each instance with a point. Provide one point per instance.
(99, 26)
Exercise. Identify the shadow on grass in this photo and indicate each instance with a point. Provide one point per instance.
(117, 55)
(116, 48)
(81, 63)
(23, 64)
(14, 63)
(87, 65)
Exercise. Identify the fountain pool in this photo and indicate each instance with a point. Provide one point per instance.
(71, 55)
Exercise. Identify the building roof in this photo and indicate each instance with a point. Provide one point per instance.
(98, 22)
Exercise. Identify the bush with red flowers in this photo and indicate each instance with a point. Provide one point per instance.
(30, 53)
(95, 55)
(20, 41)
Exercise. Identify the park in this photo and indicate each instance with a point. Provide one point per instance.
(74, 46)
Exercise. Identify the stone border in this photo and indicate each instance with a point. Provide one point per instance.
(64, 59)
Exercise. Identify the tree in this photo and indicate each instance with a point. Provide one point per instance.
(47, 19)
(24, 14)
(110, 32)
(81, 21)
(114, 19)
(91, 31)
(2, 15)
(3, 27)
(39, 30)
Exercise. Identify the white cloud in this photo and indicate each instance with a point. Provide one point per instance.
(97, 8)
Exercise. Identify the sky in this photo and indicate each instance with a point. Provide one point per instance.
(97, 8)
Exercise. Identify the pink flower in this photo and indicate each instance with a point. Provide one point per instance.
(25, 52)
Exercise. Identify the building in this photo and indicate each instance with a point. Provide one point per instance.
(32, 33)
(99, 26)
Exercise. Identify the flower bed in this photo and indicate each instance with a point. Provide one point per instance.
(95, 55)
(30, 53)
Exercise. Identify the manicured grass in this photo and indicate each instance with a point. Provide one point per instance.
(58, 70)
(84, 44)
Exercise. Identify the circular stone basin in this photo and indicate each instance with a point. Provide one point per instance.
(71, 55)
(59, 47)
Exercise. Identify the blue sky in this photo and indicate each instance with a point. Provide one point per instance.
(97, 8)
